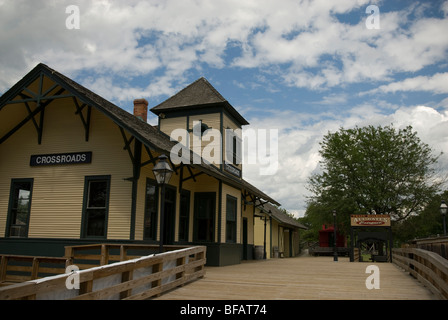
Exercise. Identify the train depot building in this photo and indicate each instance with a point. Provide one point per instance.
(76, 169)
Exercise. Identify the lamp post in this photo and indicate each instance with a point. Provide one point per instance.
(443, 209)
(335, 257)
(162, 172)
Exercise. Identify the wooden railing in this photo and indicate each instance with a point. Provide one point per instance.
(139, 278)
(87, 256)
(15, 268)
(435, 244)
(428, 267)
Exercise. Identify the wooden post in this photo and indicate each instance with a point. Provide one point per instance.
(126, 276)
(180, 262)
(199, 256)
(35, 269)
(122, 253)
(158, 283)
(69, 255)
(86, 287)
(104, 255)
(3, 267)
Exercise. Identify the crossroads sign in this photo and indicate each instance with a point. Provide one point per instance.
(370, 220)
(60, 158)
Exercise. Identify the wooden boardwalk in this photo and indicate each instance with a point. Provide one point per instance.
(303, 277)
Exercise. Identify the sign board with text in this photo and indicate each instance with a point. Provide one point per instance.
(61, 159)
(370, 220)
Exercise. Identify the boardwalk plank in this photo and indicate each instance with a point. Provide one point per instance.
(301, 278)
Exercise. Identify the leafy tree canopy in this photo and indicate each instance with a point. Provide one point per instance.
(372, 170)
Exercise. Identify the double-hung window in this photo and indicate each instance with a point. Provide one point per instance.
(231, 215)
(19, 207)
(151, 199)
(184, 215)
(205, 210)
(96, 206)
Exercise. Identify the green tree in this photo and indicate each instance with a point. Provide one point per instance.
(372, 170)
(427, 224)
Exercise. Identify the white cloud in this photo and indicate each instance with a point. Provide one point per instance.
(184, 35)
(437, 83)
(299, 140)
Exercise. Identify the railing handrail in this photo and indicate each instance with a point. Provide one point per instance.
(428, 267)
(104, 255)
(139, 278)
(430, 239)
(33, 268)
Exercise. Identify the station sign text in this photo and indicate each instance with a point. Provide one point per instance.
(61, 158)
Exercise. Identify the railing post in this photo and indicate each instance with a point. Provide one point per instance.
(157, 283)
(85, 287)
(69, 255)
(126, 276)
(122, 253)
(198, 256)
(104, 255)
(180, 262)
(35, 269)
(3, 268)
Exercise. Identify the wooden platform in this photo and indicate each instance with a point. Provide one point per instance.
(300, 278)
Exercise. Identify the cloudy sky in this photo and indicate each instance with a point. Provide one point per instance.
(303, 68)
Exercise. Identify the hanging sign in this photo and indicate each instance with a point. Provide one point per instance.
(235, 171)
(370, 220)
(61, 158)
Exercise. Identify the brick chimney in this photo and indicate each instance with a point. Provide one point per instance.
(141, 109)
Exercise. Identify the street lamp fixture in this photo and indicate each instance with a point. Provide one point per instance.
(162, 172)
(443, 210)
(335, 257)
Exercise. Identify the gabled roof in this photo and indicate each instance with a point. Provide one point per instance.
(143, 131)
(146, 133)
(199, 94)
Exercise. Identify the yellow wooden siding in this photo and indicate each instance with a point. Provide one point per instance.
(259, 234)
(14, 113)
(167, 125)
(57, 198)
(212, 120)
